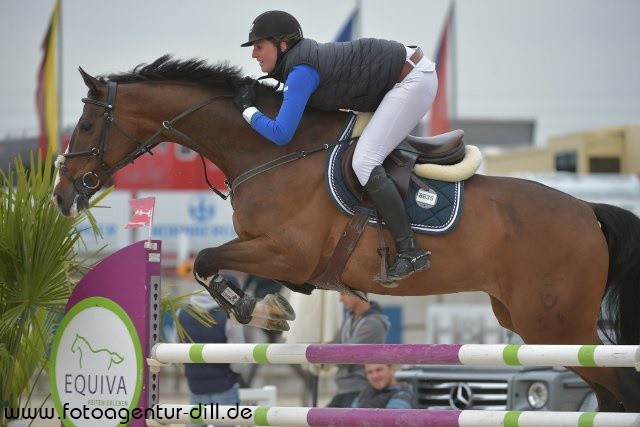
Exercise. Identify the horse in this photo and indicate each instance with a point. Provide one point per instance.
(548, 261)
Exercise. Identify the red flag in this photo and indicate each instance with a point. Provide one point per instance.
(142, 212)
(439, 121)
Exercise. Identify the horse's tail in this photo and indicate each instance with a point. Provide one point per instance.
(620, 311)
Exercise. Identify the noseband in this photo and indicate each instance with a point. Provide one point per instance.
(88, 183)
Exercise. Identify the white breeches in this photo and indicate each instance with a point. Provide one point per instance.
(400, 111)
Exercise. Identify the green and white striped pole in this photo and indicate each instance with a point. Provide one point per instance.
(356, 417)
(417, 354)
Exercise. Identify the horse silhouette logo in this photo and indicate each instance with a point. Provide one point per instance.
(97, 358)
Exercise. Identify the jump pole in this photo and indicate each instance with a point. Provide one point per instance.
(416, 354)
(360, 417)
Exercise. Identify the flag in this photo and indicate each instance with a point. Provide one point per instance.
(349, 31)
(47, 103)
(439, 120)
(142, 212)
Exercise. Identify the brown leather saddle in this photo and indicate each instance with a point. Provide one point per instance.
(444, 149)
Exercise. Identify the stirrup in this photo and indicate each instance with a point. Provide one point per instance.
(413, 265)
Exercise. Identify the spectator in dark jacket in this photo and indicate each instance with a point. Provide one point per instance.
(211, 382)
(364, 323)
(383, 390)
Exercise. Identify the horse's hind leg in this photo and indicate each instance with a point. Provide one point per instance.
(628, 381)
(607, 402)
(617, 389)
(601, 380)
(605, 382)
(554, 319)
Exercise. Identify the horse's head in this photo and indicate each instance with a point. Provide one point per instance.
(109, 134)
(95, 149)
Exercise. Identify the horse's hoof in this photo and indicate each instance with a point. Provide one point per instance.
(271, 324)
(275, 307)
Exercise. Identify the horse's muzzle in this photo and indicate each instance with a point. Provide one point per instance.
(70, 204)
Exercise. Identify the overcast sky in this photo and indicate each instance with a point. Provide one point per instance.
(568, 64)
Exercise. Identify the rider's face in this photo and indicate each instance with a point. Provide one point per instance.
(266, 53)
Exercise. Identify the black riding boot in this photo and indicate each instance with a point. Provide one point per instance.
(409, 256)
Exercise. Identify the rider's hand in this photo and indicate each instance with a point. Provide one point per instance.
(245, 97)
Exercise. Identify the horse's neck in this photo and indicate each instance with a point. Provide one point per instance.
(220, 134)
(207, 130)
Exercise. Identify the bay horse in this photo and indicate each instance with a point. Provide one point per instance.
(547, 260)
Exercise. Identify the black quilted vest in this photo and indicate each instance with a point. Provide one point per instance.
(354, 75)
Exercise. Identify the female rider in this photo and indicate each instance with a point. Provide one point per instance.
(394, 81)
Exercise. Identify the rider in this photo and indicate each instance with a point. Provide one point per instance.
(395, 81)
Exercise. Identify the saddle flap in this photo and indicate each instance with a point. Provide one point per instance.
(399, 166)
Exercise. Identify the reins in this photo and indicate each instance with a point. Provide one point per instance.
(277, 162)
(345, 135)
(90, 181)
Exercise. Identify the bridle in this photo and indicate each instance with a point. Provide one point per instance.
(88, 183)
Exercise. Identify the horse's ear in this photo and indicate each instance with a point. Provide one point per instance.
(89, 80)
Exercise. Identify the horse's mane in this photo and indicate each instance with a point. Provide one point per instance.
(193, 70)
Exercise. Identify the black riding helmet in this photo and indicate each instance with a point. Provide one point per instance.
(274, 24)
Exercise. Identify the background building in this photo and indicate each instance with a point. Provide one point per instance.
(606, 150)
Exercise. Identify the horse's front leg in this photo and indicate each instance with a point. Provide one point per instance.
(270, 312)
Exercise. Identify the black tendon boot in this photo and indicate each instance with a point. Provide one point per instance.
(231, 298)
(409, 256)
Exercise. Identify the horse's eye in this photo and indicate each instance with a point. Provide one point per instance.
(85, 126)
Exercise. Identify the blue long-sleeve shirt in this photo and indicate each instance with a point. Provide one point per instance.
(302, 81)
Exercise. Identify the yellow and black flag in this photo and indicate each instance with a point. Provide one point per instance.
(47, 99)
